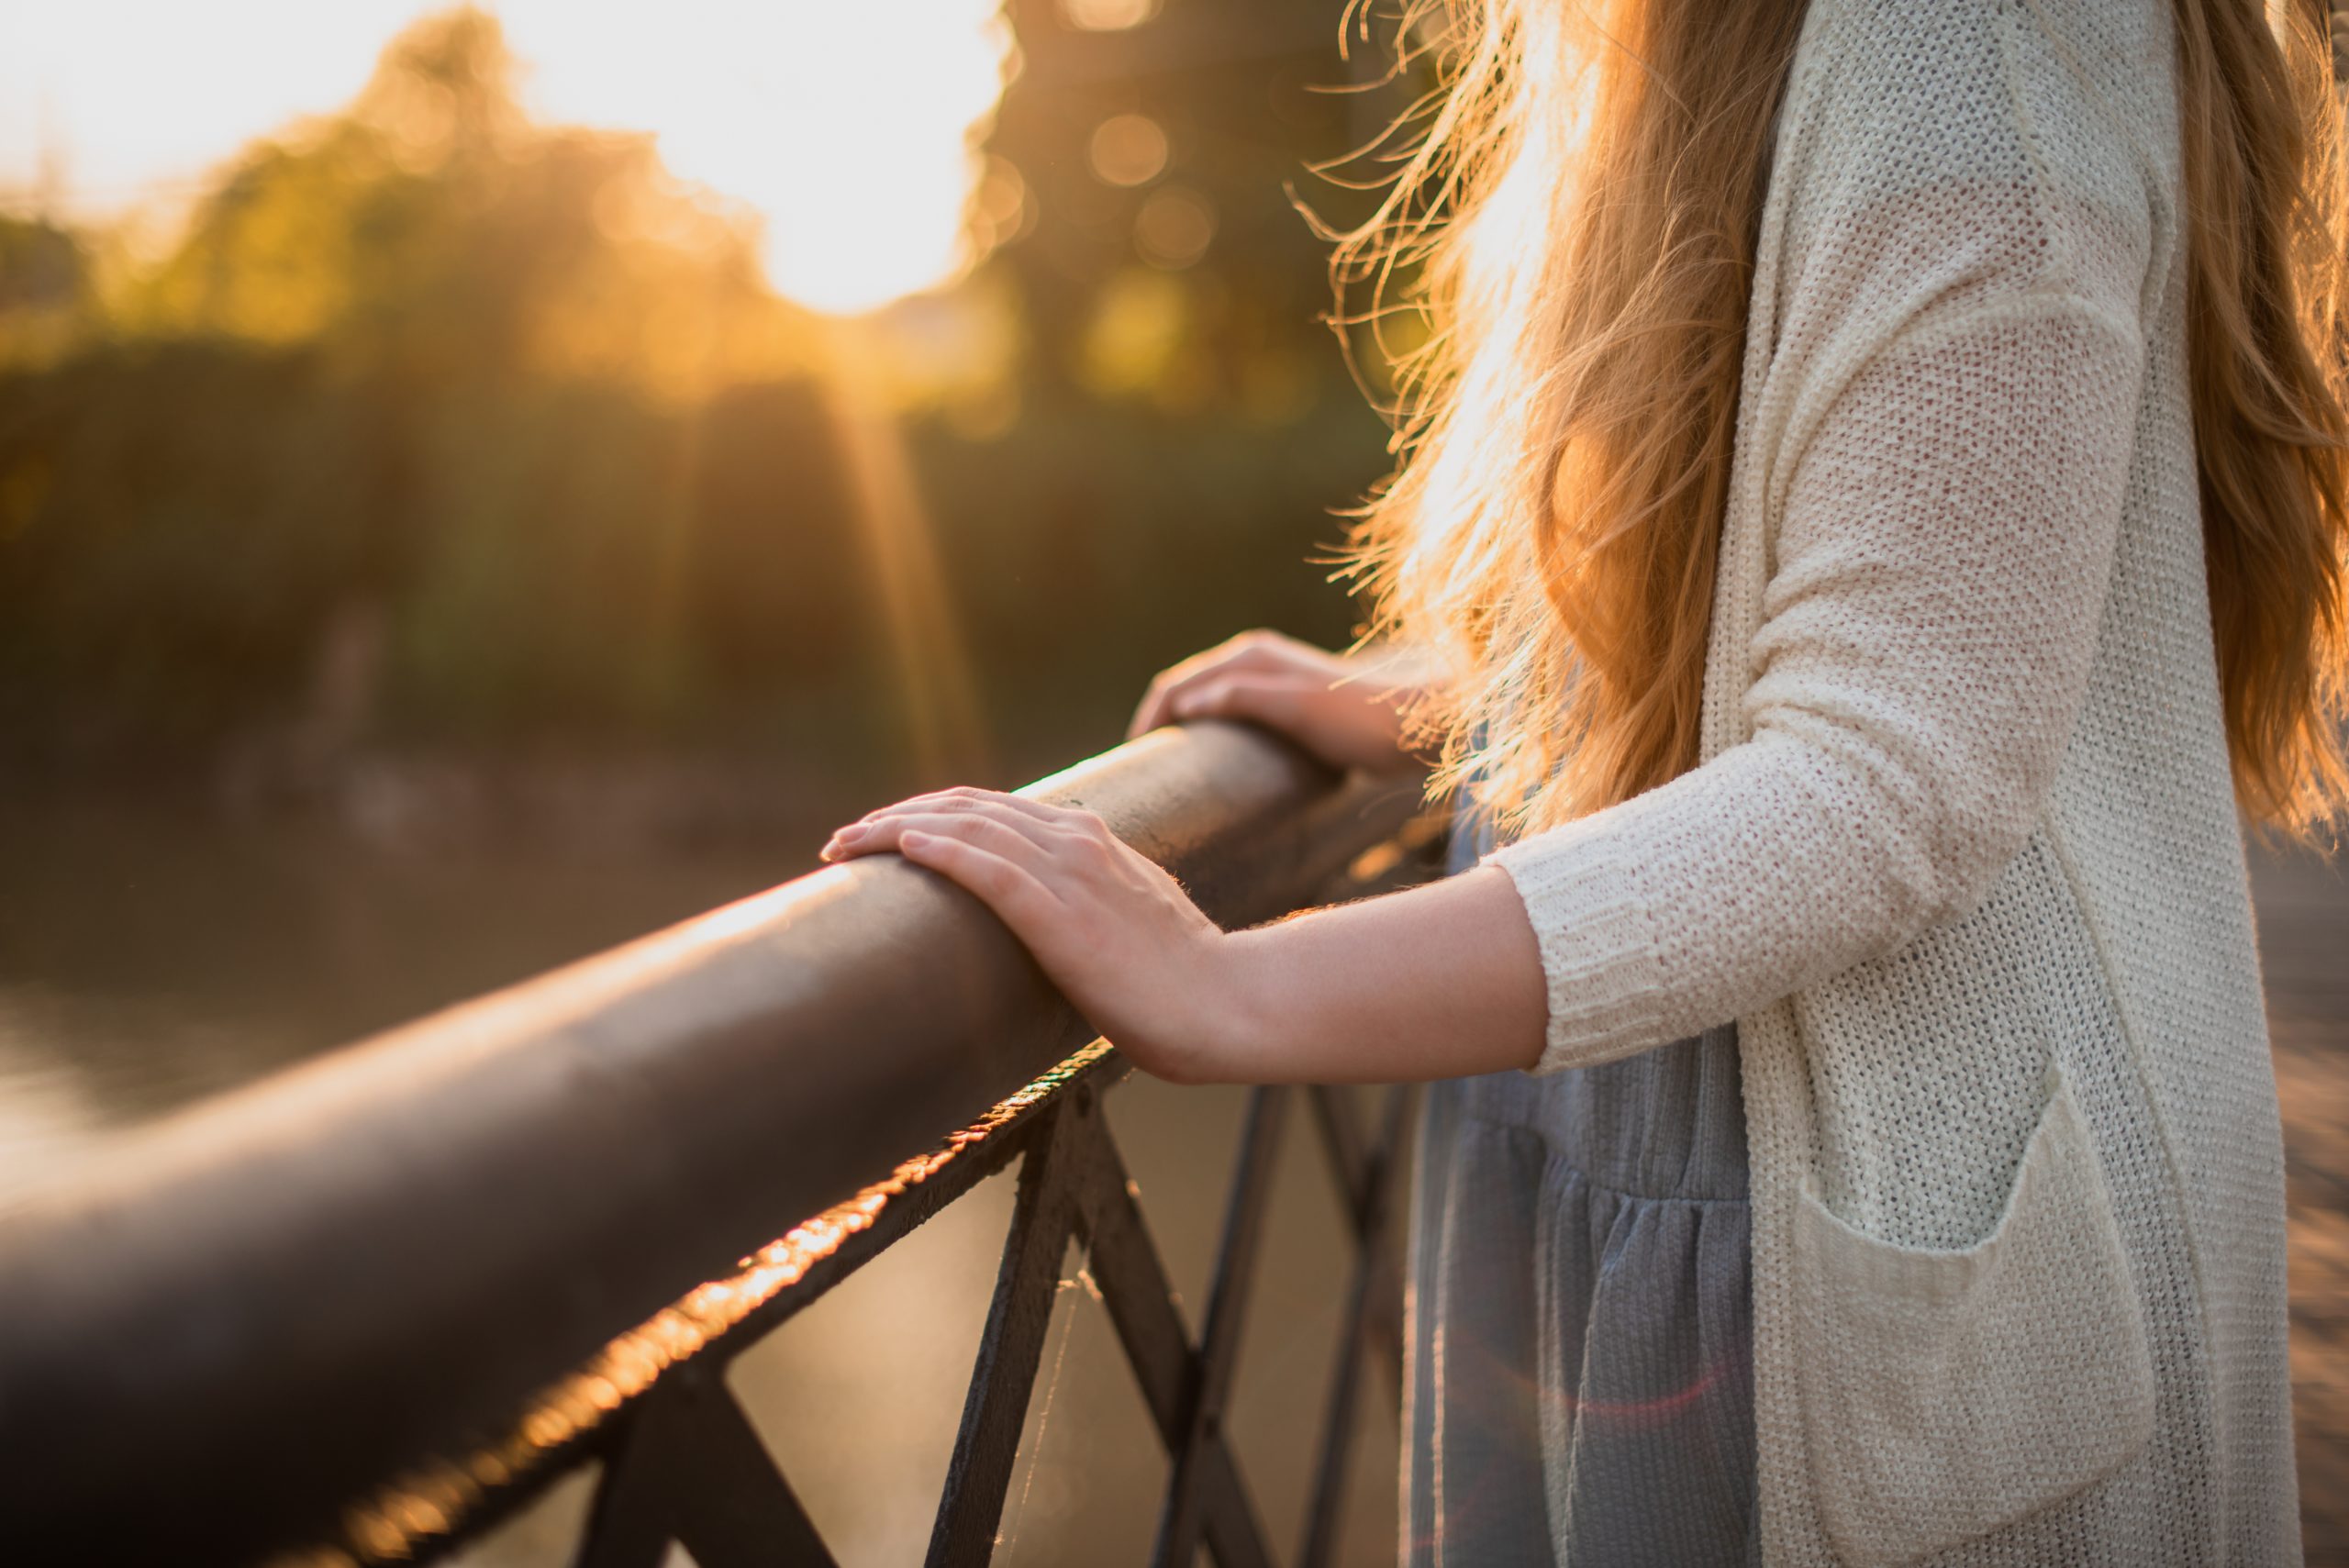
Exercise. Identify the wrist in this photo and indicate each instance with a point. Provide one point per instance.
(1249, 1011)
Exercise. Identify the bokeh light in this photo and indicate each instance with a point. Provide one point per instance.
(1107, 15)
(1128, 149)
(1175, 227)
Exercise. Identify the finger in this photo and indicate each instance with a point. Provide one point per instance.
(1249, 650)
(1157, 703)
(1275, 700)
(984, 825)
(1015, 839)
(966, 798)
(1015, 895)
(963, 797)
(1255, 650)
(1165, 702)
(1149, 714)
(989, 800)
(1003, 830)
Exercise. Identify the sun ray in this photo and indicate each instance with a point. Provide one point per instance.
(944, 721)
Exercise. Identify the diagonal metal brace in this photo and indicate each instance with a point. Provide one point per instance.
(690, 1468)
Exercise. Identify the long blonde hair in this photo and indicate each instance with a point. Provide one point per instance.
(1575, 222)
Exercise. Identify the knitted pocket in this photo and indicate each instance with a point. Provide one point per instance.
(1947, 1393)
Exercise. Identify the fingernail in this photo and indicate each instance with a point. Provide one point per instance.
(850, 834)
(912, 838)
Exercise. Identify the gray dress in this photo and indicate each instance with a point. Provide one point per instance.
(1580, 1380)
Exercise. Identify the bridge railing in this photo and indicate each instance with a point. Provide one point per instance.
(364, 1310)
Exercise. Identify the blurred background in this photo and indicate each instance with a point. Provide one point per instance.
(475, 484)
(479, 485)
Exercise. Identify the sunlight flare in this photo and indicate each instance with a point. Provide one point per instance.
(851, 129)
(930, 659)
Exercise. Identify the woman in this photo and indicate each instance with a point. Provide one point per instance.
(1875, 508)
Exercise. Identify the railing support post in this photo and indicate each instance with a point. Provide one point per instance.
(1235, 1263)
(1011, 1348)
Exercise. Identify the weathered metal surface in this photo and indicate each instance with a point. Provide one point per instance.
(1369, 1174)
(1043, 1222)
(419, 1511)
(247, 1314)
(1180, 1522)
(685, 1467)
(1133, 1285)
(690, 1468)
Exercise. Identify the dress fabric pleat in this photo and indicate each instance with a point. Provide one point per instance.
(1580, 1382)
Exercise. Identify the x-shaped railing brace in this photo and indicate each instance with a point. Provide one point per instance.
(686, 1464)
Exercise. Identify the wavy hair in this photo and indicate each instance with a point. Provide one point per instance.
(1574, 226)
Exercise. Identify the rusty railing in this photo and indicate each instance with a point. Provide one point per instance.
(364, 1310)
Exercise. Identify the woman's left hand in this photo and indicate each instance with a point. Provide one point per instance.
(1115, 932)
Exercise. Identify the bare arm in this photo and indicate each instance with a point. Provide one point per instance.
(1440, 982)
(1435, 982)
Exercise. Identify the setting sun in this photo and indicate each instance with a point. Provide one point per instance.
(849, 130)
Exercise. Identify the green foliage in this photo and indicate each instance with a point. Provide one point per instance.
(160, 552)
(431, 233)
(513, 396)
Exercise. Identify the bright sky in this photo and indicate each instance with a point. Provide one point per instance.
(843, 121)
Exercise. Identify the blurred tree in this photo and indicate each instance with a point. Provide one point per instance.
(1160, 147)
(434, 424)
(420, 360)
(47, 295)
(431, 232)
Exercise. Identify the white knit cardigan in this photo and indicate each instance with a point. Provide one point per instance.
(1962, 858)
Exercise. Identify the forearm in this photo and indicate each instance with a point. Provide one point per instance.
(1435, 982)
(1439, 981)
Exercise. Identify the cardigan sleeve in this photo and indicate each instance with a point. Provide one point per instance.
(1942, 547)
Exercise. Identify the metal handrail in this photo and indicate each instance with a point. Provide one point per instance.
(220, 1330)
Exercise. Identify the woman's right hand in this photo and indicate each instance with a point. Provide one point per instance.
(1345, 709)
